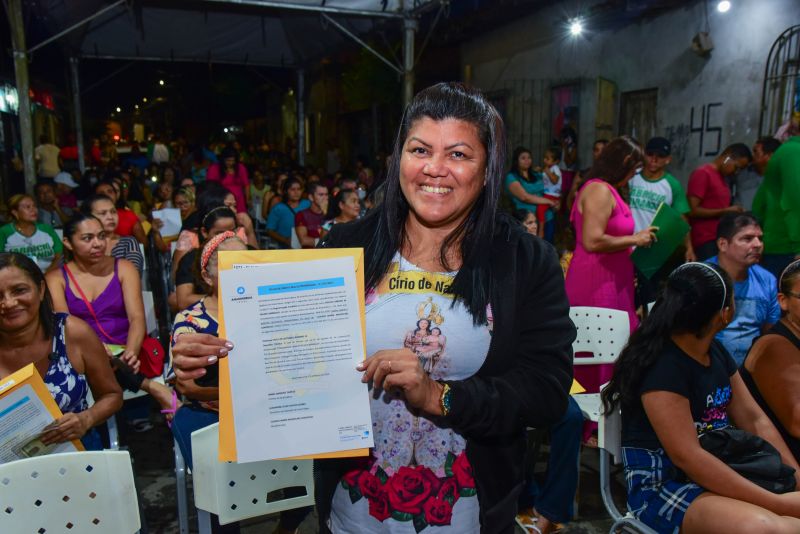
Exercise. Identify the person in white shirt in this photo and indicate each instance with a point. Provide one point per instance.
(160, 151)
(552, 190)
(48, 163)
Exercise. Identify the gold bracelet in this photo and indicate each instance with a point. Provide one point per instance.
(444, 399)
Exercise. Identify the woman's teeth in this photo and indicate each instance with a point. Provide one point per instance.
(437, 190)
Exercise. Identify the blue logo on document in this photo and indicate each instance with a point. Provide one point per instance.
(366, 433)
(240, 290)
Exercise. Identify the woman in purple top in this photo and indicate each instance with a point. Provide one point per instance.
(113, 288)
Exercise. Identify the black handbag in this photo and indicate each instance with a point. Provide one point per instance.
(750, 456)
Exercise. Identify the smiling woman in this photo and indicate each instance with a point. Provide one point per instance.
(64, 350)
(467, 330)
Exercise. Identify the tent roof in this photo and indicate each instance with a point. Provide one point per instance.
(277, 33)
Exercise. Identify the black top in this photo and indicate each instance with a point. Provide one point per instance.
(184, 274)
(707, 388)
(524, 381)
(794, 444)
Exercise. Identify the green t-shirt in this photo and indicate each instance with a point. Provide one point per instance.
(647, 196)
(41, 247)
(777, 202)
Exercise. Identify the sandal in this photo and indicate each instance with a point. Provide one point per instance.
(169, 413)
(527, 522)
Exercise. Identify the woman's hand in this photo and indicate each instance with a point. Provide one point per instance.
(157, 224)
(401, 369)
(645, 238)
(131, 358)
(193, 352)
(67, 428)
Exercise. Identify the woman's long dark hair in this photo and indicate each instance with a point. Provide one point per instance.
(29, 267)
(620, 156)
(694, 294)
(473, 236)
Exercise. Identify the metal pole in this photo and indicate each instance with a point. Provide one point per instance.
(409, 30)
(301, 118)
(21, 74)
(315, 8)
(76, 108)
(75, 26)
(363, 43)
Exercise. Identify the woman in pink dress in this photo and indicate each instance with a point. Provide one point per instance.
(601, 272)
(233, 175)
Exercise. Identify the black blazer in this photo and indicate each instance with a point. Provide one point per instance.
(524, 381)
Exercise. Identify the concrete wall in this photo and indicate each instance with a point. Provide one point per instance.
(651, 53)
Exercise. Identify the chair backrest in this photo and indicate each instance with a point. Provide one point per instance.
(600, 331)
(240, 491)
(150, 312)
(71, 492)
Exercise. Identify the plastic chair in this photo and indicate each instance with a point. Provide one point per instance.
(71, 492)
(180, 488)
(235, 492)
(609, 443)
(603, 332)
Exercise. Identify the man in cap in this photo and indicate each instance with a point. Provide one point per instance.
(654, 185)
(64, 186)
(649, 188)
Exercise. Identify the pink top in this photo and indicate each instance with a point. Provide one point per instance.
(602, 279)
(235, 183)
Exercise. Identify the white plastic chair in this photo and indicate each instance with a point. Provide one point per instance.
(235, 492)
(602, 332)
(71, 492)
(609, 443)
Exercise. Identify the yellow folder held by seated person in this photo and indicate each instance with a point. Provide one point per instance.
(24, 398)
(227, 260)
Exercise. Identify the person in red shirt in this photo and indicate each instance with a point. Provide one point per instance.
(709, 197)
(128, 221)
(308, 223)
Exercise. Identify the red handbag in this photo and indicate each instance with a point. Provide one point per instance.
(151, 355)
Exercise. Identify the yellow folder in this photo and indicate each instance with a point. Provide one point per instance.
(30, 376)
(227, 259)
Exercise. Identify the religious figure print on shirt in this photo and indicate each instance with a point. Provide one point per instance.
(418, 474)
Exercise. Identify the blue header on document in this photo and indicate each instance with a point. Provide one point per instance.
(325, 283)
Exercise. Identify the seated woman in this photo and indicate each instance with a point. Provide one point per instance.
(105, 292)
(129, 224)
(24, 234)
(103, 208)
(346, 208)
(65, 351)
(675, 382)
(770, 369)
(202, 394)
(187, 289)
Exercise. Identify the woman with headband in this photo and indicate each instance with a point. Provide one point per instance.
(675, 382)
(771, 369)
(202, 394)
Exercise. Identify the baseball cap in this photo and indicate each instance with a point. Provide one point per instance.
(659, 145)
(65, 178)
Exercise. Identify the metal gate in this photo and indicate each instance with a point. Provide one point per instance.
(780, 94)
(525, 108)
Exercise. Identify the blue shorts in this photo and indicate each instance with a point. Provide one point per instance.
(656, 494)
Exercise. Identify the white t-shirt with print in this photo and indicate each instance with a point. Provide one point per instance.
(411, 309)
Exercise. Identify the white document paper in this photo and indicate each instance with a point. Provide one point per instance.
(297, 333)
(171, 217)
(22, 419)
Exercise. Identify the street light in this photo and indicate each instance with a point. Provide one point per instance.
(118, 109)
(160, 82)
(144, 99)
(723, 6)
(575, 27)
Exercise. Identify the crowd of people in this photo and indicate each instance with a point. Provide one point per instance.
(715, 332)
